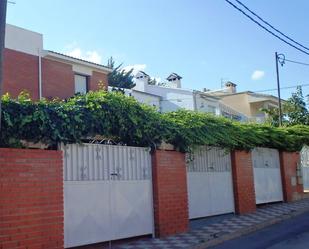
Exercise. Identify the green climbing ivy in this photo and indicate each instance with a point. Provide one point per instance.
(122, 119)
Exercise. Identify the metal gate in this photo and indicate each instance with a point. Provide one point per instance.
(305, 167)
(210, 187)
(267, 175)
(107, 193)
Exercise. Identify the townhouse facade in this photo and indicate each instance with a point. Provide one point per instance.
(44, 73)
(249, 103)
(173, 97)
(142, 97)
(49, 74)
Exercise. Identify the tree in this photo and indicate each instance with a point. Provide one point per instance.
(273, 116)
(111, 62)
(152, 81)
(119, 78)
(294, 111)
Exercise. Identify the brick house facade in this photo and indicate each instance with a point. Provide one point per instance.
(42, 73)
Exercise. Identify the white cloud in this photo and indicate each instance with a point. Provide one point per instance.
(71, 46)
(257, 75)
(92, 56)
(136, 68)
(158, 79)
(76, 52)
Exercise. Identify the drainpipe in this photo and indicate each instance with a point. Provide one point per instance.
(40, 74)
(194, 101)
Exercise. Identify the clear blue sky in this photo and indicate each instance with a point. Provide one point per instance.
(202, 40)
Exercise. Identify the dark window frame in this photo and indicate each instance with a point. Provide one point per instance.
(87, 81)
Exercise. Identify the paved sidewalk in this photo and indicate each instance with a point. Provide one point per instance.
(228, 228)
(288, 234)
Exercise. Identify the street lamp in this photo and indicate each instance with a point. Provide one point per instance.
(280, 58)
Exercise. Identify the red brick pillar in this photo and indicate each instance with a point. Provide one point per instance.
(170, 192)
(291, 185)
(31, 199)
(243, 182)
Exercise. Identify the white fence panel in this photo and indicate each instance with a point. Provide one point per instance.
(107, 193)
(210, 187)
(305, 167)
(87, 216)
(267, 175)
(132, 209)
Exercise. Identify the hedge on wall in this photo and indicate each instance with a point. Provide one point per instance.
(191, 128)
(109, 114)
(122, 119)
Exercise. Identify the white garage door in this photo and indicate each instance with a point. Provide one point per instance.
(267, 175)
(210, 187)
(107, 193)
(305, 167)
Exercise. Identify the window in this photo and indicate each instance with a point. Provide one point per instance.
(212, 109)
(80, 83)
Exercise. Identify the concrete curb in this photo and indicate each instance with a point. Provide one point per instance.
(210, 241)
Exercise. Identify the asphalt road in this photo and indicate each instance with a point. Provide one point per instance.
(289, 234)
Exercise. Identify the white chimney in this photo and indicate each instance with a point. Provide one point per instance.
(174, 80)
(230, 87)
(141, 81)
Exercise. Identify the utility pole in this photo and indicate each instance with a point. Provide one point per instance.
(278, 88)
(3, 4)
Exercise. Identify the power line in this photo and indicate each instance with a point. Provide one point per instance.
(259, 91)
(266, 29)
(267, 23)
(281, 88)
(297, 62)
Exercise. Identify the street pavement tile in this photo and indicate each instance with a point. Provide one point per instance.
(215, 230)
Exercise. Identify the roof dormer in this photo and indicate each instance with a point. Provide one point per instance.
(231, 87)
(141, 75)
(175, 80)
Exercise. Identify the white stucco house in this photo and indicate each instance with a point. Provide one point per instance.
(142, 97)
(173, 97)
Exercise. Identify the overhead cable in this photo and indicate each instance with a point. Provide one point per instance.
(267, 23)
(266, 29)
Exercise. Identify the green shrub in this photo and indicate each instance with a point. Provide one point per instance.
(122, 119)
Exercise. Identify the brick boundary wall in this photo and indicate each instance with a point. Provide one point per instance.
(31, 194)
(243, 182)
(291, 185)
(170, 193)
